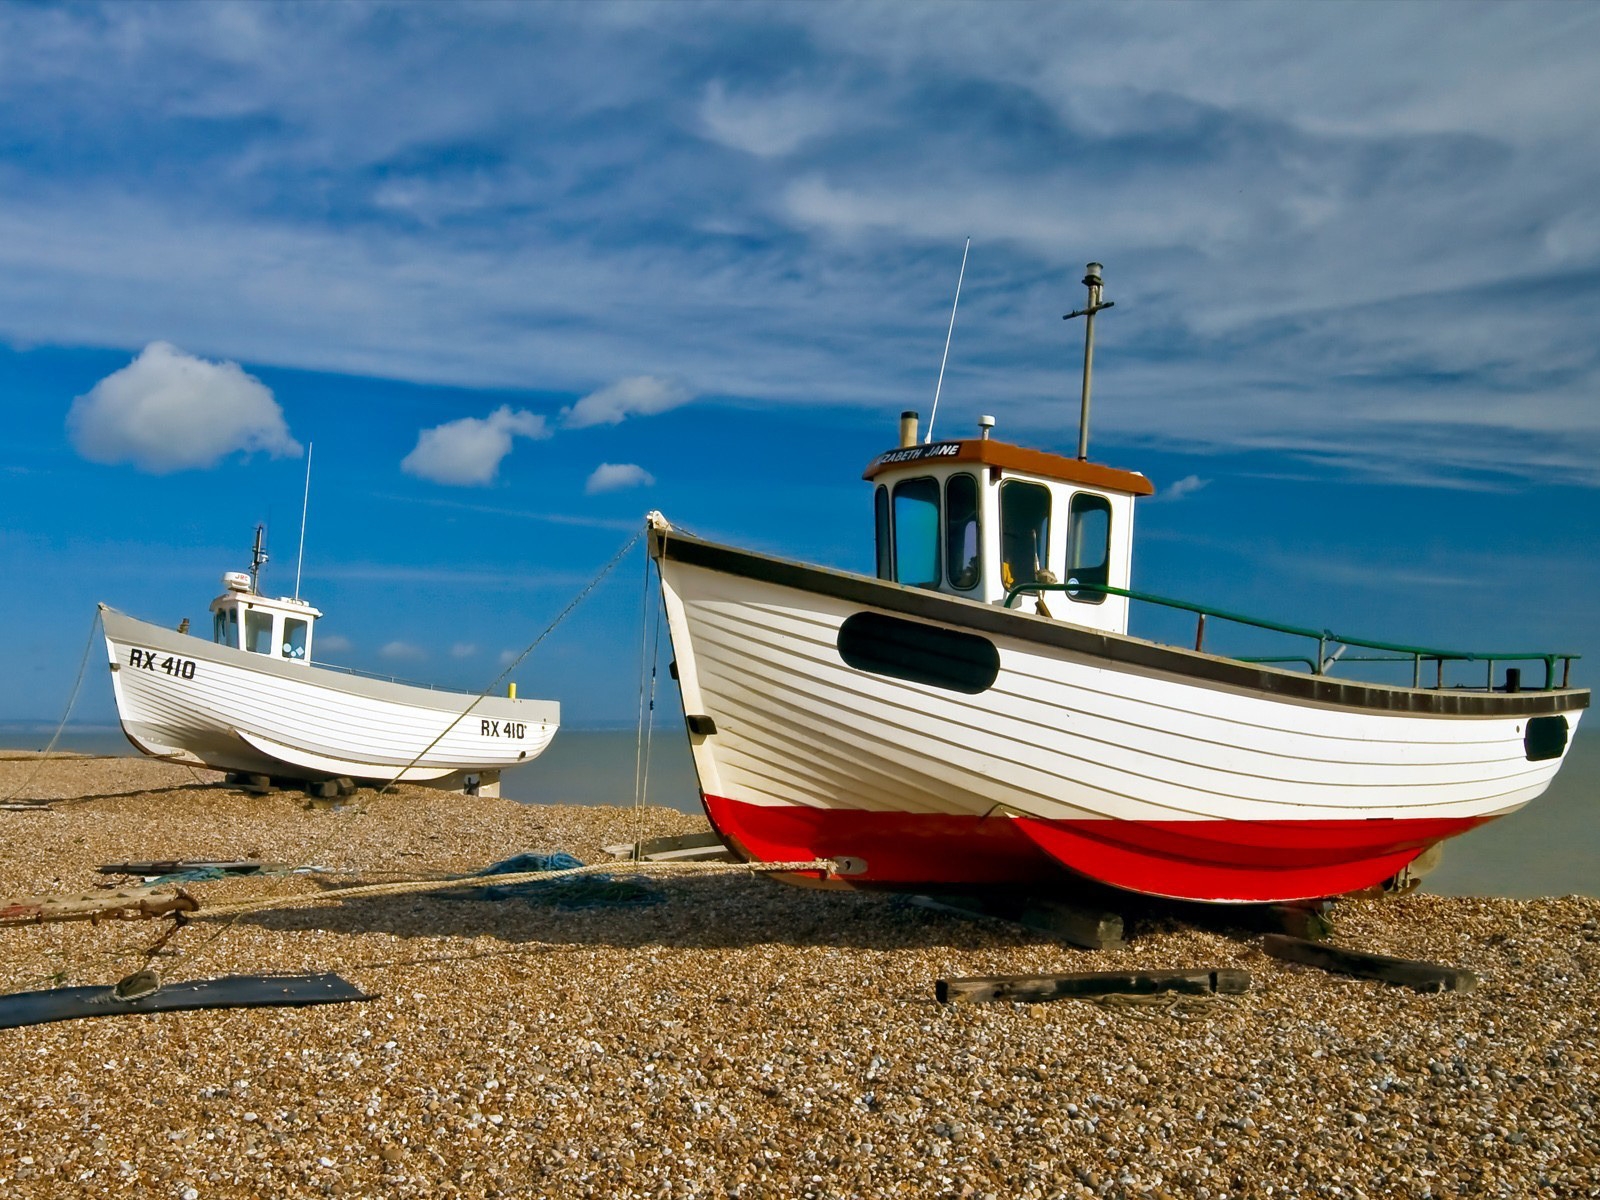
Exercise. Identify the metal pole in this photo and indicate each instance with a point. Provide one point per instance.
(1088, 372)
(1093, 281)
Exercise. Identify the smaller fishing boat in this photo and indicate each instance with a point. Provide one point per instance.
(252, 701)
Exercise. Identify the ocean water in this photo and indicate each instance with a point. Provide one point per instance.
(1550, 848)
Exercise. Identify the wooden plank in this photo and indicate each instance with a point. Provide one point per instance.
(1032, 989)
(171, 866)
(1405, 972)
(684, 847)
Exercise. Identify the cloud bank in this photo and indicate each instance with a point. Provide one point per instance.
(1363, 235)
(468, 452)
(170, 411)
(614, 477)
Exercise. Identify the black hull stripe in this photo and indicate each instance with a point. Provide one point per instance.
(1113, 649)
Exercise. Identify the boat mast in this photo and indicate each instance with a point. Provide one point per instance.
(1092, 281)
(305, 502)
(258, 559)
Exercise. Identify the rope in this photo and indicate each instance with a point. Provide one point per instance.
(44, 756)
(516, 662)
(416, 886)
(649, 662)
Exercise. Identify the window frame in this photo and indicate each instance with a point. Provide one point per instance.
(1093, 502)
(883, 531)
(931, 482)
(1015, 487)
(951, 532)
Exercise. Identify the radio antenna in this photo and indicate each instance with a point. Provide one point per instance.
(936, 387)
(305, 502)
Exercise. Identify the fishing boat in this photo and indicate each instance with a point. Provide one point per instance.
(251, 701)
(978, 713)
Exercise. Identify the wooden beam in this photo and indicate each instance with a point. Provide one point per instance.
(1405, 972)
(1030, 989)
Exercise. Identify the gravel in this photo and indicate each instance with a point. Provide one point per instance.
(744, 1038)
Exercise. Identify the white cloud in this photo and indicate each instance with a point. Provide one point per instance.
(636, 396)
(169, 411)
(335, 643)
(463, 650)
(403, 652)
(766, 126)
(613, 477)
(1187, 486)
(507, 657)
(468, 452)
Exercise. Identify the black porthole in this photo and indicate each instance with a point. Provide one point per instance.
(910, 650)
(1545, 737)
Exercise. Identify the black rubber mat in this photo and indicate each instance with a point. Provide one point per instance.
(230, 991)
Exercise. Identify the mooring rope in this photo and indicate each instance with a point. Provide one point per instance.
(44, 755)
(649, 663)
(416, 886)
(516, 662)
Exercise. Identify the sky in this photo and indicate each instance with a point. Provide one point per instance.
(515, 274)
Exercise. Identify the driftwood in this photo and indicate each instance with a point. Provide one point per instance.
(1090, 985)
(1406, 972)
(124, 904)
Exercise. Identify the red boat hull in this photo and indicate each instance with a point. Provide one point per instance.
(1223, 861)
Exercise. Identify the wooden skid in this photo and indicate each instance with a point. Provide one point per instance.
(124, 904)
(1031, 989)
(1406, 972)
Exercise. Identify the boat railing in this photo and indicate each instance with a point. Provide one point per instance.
(1392, 652)
(378, 675)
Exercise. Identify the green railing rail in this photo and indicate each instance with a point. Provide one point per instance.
(1397, 652)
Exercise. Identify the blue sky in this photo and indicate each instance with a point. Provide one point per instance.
(522, 272)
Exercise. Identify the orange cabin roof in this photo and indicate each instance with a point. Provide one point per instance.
(1004, 455)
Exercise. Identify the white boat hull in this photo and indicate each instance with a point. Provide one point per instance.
(189, 700)
(1160, 770)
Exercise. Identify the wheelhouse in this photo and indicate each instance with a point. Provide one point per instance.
(278, 628)
(979, 517)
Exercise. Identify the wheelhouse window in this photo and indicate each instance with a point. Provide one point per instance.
(225, 627)
(885, 541)
(916, 532)
(961, 531)
(1024, 531)
(294, 637)
(257, 631)
(1089, 545)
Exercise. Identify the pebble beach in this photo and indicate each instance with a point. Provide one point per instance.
(732, 1036)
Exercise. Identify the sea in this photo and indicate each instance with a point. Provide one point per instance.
(1549, 848)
